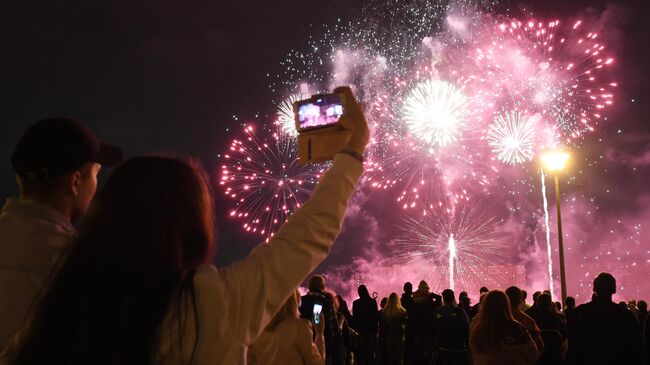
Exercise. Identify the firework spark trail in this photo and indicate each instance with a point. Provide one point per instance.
(548, 233)
(263, 177)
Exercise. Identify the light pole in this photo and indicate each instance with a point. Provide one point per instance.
(554, 162)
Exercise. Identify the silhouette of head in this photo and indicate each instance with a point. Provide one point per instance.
(536, 295)
(483, 290)
(383, 302)
(316, 283)
(340, 298)
(448, 296)
(514, 295)
(570, 302)
(393, 306)
(423, 286)
(392, 300)
(408, 287)
(464, 301)
(363, 292)
(604, 285)
(544, 301)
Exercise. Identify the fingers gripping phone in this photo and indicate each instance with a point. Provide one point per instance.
(318, 309)
(320, 135)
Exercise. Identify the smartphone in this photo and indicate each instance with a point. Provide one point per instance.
(318, 308)
(319, 111)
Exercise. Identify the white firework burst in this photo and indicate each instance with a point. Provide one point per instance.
(285, 113)
(512, 137)
(435, 112)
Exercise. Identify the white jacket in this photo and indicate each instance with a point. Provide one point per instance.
(32, 236)
(236, 303)
(290, 343)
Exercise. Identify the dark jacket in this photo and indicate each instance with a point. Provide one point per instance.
(605, 334)
(407, 301)
(307, 306)
(547, 321)
(365, 315)
(421, 315)
(452, 328)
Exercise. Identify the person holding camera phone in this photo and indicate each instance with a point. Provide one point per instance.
(317, 299)
(137, 285)
(288, 338)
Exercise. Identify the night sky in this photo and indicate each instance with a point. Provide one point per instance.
(169, 76)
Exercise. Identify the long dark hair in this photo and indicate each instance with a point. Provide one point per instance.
(493, 318)
(148, 229)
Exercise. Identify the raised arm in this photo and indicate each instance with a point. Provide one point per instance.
(256, 287)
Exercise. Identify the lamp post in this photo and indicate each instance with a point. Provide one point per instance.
(554, 162)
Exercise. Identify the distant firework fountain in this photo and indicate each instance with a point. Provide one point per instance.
(452, 257)
(461, 241)
(262, 175)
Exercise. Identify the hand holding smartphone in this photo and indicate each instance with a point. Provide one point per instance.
(328, 123)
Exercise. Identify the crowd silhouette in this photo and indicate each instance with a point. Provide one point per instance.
(423, 328)
(135, 284)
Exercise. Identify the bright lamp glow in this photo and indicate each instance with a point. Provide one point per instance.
(555, 160)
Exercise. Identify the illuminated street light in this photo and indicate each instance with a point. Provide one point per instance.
(555, 160)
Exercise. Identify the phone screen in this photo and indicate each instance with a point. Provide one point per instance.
(319, 111)
(318, 308)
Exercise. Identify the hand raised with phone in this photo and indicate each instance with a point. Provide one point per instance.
(328, 124)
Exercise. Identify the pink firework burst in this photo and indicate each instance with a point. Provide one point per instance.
(555, 69)
(416, 170)
(262, 176)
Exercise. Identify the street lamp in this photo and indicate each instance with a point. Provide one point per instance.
(554, 162)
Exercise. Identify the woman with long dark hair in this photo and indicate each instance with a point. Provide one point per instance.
(497, 338)
(137, 285)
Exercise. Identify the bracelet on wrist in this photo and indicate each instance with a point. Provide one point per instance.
(353, 153)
